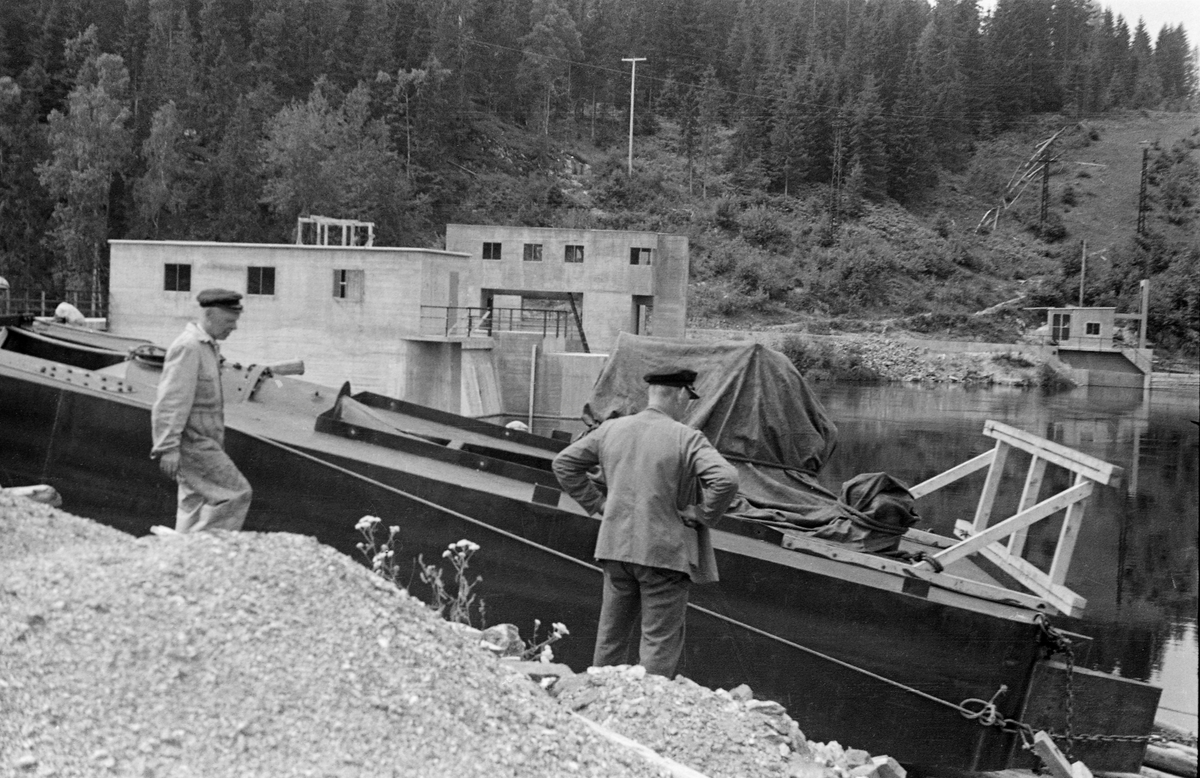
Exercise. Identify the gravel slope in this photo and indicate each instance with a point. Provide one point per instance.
(248, 654)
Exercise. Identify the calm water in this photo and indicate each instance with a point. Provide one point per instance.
(1136, 558)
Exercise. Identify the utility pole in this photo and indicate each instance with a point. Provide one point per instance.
(835, 182)
(1082, 270)
(1142, 207)
(1044, 212)
(632, 80)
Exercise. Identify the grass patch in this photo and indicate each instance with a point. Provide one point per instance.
(1013, 360)
(823, 361)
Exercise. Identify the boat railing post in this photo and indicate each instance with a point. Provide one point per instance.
(470, 320)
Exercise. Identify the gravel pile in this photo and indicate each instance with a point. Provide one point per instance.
(248, 654)
(231, 654)
(719, 733)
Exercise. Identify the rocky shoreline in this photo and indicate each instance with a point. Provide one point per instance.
(910, 360)
(238, 654)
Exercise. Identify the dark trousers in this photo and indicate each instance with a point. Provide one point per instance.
(644, 609)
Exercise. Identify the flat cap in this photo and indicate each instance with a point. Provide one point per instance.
(220, 298)
(684, 378)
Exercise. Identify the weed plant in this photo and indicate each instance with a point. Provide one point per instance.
(458, 604)
(457, 601)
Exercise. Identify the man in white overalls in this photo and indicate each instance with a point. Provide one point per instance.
(188, 421)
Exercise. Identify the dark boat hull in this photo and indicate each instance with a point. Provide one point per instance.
(22, 341)
(535, 564)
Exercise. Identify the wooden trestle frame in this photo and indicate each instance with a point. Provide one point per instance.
(982, 537)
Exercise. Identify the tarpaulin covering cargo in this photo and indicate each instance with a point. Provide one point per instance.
(761, 414)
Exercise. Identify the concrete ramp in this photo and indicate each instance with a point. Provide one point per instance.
(1106, 361)
(480, 385)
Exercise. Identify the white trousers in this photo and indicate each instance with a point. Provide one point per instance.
(213, 493)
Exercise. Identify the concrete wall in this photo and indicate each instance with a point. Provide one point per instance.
(1106, 361)
(606, 280)
(338, 339)
(433, 375)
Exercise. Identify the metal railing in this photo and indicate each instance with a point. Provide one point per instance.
(44, 305)
(450, 321)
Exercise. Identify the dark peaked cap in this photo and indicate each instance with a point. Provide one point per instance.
(220, 298)
(684, 378)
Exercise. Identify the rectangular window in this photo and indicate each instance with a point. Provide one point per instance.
(491, 250)
(260, 280)
(177, 278)
(640, 256)
(573, 254)
(1060, 327)
(349, 285)
(533, 252)
(1092, 328)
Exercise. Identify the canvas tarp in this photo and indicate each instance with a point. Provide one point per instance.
(760, 413)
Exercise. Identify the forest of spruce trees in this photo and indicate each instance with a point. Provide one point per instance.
(227, 119)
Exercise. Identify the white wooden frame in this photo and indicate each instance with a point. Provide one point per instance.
(981, 536)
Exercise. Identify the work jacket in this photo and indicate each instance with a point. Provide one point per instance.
(666, 485)
(189, 410)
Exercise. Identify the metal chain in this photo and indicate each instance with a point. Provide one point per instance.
(1058, 643)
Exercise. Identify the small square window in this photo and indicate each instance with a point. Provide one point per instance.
(640, 256)
(177, 278)
(533, 252)
(573, 254)
(260, 280)
(491, 250)
(1092, 328)
(349, 284)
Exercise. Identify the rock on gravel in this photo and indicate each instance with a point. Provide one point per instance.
(231, 654)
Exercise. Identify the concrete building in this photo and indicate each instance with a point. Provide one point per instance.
(491, 329)
(1085, 340)
(618, 281)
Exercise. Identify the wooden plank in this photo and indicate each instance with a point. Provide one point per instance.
(1054, 760)
(987, 498)
(953, 474)
(1047, 507)
(924, 538)
(1029, 497)
(1067, 536)
(1171, 760)
(667, 765)
(898, 571)
(1077, 462)
(1063, 599)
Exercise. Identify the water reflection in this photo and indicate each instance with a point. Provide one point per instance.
(1136, 558)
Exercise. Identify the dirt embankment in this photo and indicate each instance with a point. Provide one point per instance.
(248, 654)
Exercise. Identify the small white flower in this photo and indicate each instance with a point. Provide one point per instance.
(367, 523)
(446, 554)
(393, 531)
(547, 654)
(561, 629)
